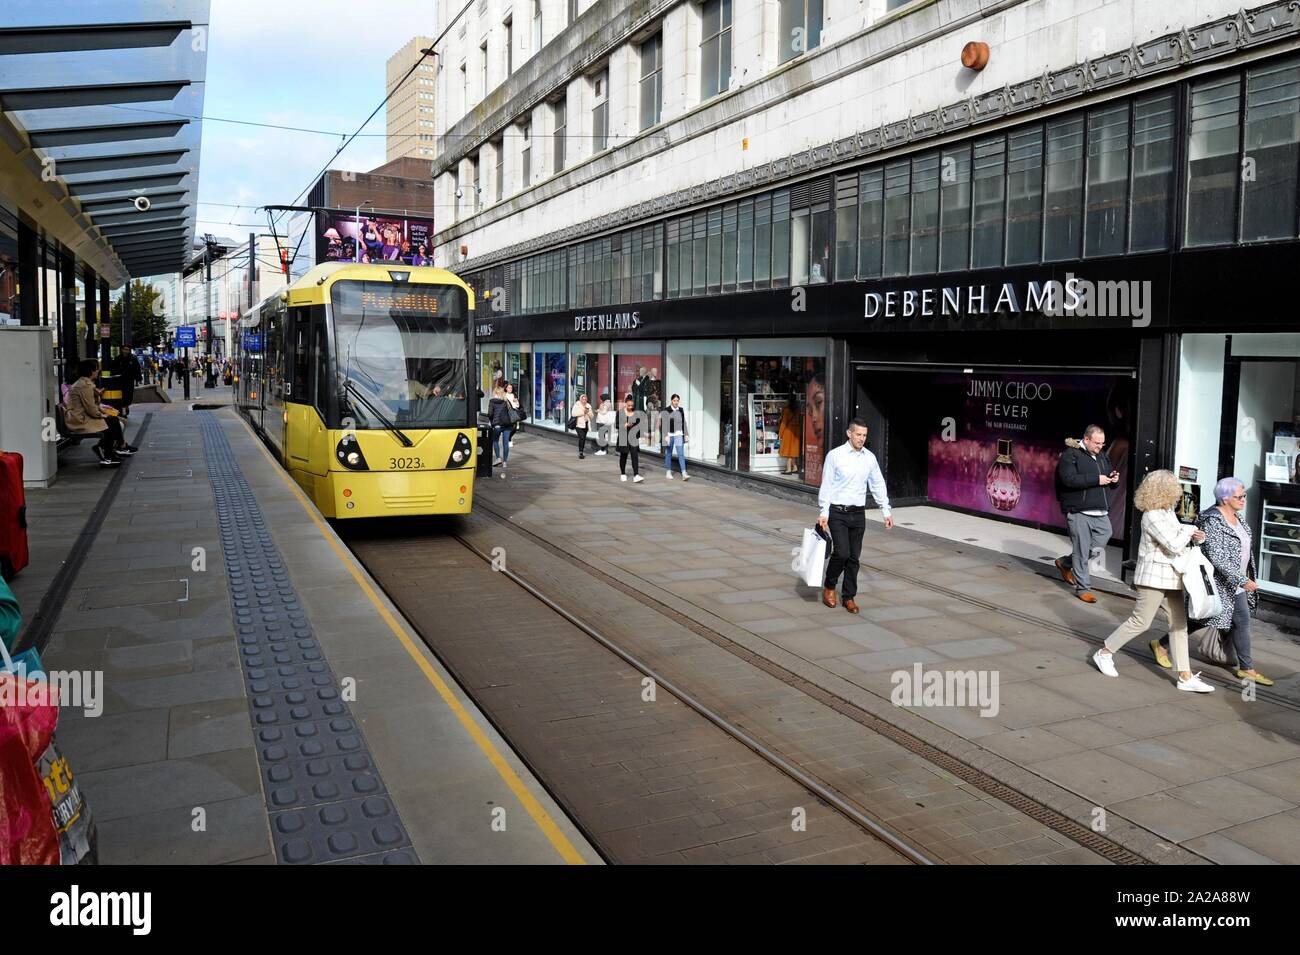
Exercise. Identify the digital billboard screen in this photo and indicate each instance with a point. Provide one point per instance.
(347, 237)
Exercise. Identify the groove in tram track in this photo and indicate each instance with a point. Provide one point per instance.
(1047, 816)
(896, 842)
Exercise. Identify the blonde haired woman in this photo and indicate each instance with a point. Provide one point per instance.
(1158, 584)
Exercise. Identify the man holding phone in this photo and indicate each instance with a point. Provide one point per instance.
(1084, 476)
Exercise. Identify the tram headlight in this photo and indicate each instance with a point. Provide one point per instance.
(462, 451)
(348, 453)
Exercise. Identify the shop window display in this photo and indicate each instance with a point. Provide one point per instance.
(549, 392)
(783, 410)
(589, 367)
(701, 372)
(491, 372)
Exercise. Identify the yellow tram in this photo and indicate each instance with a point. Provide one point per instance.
(358, 377)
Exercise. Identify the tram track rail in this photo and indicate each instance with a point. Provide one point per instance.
(1049, 817)
(896, 843)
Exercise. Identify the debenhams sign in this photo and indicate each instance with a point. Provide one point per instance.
(1075, 297)
(607, 322)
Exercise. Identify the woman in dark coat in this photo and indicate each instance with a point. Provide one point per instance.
(502, 424)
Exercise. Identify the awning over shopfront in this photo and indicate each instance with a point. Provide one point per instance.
(99, 126)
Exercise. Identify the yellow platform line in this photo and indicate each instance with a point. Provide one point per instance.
(539, 815)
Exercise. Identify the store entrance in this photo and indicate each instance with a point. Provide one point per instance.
(986, 441)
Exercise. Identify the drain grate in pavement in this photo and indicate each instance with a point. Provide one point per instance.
(326, 799)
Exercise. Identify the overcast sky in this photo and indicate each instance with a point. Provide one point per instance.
(318, 65)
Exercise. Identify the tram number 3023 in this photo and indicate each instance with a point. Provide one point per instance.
(404, 464)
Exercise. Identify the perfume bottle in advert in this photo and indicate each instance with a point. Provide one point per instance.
(1003, 481)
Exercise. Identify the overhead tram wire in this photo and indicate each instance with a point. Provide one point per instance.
(387, 96)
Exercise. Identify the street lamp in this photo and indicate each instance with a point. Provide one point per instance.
(365, 202)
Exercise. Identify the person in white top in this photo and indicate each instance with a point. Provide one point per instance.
(1157, 581)
(582, 416)
(848, 472)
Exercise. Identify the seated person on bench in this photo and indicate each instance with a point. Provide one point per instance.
(84, 415)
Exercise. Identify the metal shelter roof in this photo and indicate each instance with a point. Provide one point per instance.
(99, 140)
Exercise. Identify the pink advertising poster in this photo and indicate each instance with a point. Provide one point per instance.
(996, 451)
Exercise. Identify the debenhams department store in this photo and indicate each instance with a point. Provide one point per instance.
(1123, 253)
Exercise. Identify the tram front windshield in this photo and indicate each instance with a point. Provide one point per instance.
(402, 353)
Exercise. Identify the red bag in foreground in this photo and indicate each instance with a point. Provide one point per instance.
(27, 721)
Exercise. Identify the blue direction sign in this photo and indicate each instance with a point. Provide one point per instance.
(252, 341)
(185, 337)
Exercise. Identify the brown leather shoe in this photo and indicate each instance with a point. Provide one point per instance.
(1087, 596)
(828, 596)
(850, 605)
(1066, 573)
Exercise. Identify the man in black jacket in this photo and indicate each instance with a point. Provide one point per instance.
(1083, 476)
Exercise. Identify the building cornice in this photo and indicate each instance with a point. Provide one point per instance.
(1269, 24)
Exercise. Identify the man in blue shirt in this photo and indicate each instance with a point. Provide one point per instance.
(848, 473)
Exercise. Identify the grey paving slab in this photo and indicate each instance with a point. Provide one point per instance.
(172, 783)
(870, 635)
(233, 830)
(1234, 799)
(1104, 778)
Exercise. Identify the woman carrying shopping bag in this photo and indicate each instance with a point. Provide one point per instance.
(1229, 550)
(515, 414)
(499, 416)
(1158, 583)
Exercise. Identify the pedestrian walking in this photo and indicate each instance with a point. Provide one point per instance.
(672, 425)
(606, 420)
(1228, 549)
(848, 472)
(499, 418)
(1084, 476)
(582, 416)
(631, 425)
(1157, 581)
(518, 415)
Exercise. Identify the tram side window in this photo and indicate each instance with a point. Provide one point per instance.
(320, 347)
(301, 357)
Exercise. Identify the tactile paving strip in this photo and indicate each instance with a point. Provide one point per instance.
(326, 799)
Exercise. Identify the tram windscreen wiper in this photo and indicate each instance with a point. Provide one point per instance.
(356, 393)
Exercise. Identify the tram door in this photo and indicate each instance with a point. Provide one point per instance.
(308, 354)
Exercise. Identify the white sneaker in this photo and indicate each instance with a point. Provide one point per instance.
(1194, 684)
(622, 477)
(668, 475)
(1105, 663)
(685, 476)
(637, 479)
(598, 453)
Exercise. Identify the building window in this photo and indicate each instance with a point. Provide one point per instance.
(715, 48)
(699, 253)
(526, 154)
(988, 197)
(510, 47)
(600, 112)
(954, 209)
(714, 271)
(1213, 167)
(1153, 172)
(1104, 208)
(871, 218)
(781, 238)
(745, 247)
(474, 184)
(1063, 191)
(500, 170)
(1024, 196)
(897, 216)
(652, 92)
(1268, 209)
(464, 89)
(455, 192)
(799, 26)
(561, 118)
(925, 214)
(537, 26)
(729, 248)
(483, 72)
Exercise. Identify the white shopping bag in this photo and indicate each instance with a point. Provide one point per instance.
(1203, 601)
(812, 558)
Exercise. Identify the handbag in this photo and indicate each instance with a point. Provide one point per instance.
(572, 423)
(1203, 602)
(812, 556)
(1214, 647)
(513, 414)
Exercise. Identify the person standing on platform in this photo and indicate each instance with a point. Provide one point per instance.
(672, 425)
(582, 414)
(847, 474)
(1083, 477)
(513, 400)
(631, 425)
(499, 417)
(126, 375)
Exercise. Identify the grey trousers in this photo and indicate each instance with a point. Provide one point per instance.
(1088, 533)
